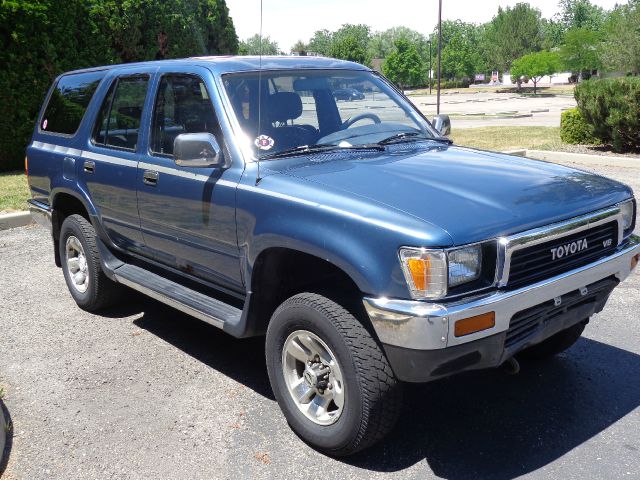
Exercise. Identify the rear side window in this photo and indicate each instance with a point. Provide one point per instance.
(69, 102)
(118, 122)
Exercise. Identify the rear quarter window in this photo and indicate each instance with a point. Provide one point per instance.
(69, 101)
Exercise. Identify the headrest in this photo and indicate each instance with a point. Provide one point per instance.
(283, 106)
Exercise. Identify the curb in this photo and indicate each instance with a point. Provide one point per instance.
(15, 220)
(584, 158)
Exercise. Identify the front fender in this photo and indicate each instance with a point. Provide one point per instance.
(358, 236)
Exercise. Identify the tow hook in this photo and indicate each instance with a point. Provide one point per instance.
(511, 366)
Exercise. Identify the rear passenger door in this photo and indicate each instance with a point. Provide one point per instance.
(111, 157)
(187, 215)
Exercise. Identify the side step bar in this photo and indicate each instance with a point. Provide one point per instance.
(191, 302)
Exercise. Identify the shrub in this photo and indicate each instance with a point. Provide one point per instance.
(612, 107)
(39, 39)
(574, 128)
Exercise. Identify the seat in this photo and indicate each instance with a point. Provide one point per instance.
(283, 107)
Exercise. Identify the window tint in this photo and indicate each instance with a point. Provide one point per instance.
(69, 102)
(118, 122)
(182, 106)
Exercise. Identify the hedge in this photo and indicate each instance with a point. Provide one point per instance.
(574, 128)
(39, 39)
(612, 107)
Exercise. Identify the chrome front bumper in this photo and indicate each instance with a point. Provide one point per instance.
(429, 326)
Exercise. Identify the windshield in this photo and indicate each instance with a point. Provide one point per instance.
(295, 109)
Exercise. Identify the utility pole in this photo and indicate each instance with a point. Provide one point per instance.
(430, 67)
(439, 53)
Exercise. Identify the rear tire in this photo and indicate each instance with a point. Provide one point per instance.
(87, 283)
(555, 344)
(363, 399)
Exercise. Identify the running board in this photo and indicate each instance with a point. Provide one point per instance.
(189, 301)
(215, 312)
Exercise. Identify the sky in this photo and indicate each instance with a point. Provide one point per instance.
(287, 21)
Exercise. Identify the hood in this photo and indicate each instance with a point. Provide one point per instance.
(471, 194)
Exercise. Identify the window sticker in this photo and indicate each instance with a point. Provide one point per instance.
(264, 142)
(44, 124)
(203, 91)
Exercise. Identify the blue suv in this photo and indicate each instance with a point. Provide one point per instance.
(367, 248)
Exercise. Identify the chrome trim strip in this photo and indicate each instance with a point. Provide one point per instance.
(423, 325)
(41, 213)
(216, 322)
(508, 245)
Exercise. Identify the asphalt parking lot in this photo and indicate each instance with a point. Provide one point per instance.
(479, 108)
(143, 391)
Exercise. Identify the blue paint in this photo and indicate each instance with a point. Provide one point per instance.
(354, 209)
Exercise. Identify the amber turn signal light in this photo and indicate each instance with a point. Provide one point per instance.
(26, 166)
(420, 272)
(475, 324)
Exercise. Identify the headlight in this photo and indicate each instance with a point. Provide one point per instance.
(425, 272)
(464, 265)
(628, 215)
(429, 273)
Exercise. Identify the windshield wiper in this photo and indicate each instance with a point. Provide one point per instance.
(399, 137)
(304, 149)
(403, 136)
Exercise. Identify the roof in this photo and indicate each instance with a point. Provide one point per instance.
(236, 63)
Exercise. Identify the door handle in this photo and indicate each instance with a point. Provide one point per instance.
(150, 177)
(89, 166)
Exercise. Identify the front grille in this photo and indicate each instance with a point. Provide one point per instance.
(537, 262)
(574, 306)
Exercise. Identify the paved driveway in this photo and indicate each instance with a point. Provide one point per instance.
(146, 392)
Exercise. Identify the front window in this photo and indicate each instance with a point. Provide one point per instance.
(286, 111)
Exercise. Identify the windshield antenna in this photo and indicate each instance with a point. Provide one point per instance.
(258, 178)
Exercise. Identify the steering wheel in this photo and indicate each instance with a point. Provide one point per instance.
(363, 116)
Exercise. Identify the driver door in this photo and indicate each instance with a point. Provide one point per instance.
(187, 215)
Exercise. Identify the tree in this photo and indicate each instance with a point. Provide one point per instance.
(535, 66)
(620, 50)
(40, 39)
(404, 66)
(320, 43)
(350, 42)
(552, 33)
(462, 54)
(35, 46)
(512, 33)
(382, 44)
(580, 50)
(300, 48)
(349, 48)
(256, 46)
(581, 14)
(188, 27)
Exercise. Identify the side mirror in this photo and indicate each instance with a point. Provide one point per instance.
(197, 150)
(442, 123)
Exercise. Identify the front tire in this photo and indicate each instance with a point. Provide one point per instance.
(329, 376)
(87, 283)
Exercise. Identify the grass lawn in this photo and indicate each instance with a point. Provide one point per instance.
(508, 138)
(14, 191)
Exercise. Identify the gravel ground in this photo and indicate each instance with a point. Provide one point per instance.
(143, 391)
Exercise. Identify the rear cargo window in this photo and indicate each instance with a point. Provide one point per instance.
(69, 102)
